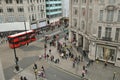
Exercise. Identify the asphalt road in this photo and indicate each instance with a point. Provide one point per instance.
(23, 53)
(53, 73)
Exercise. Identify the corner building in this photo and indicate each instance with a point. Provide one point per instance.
(53, 10)
(31, 11)
(95, 27)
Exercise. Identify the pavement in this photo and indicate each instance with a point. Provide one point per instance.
(97, 71)
(1, 72)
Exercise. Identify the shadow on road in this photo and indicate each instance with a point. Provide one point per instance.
(24, 63)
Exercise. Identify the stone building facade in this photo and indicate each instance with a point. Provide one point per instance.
(32, 11)
(95, 27)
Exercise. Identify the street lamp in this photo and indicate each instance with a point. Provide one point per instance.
(16, 59)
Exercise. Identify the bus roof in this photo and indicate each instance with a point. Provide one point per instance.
(18, 34)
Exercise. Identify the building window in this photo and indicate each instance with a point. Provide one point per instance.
(28, 9)
(75, 11)
(37, 1)
(21, 18)
(28, 1)
(110, 15)
(106, 53)
(75, 1)
(111, 1)
(101, 15)
(108, 32)
(31, 1)
(8, 1)
(31, 8)
(117, 34)
(11, 18)
(83, 25)
(1, 10)
(118, 16)
(99, 31)
(90, 1)
(83, 11)
(21, 9)
(10, 10)
(19, 1)
(1, 18)
(90, 11)
(75, 22)
(83, 1)
(0, 1)
(38, 8)
(101, 1)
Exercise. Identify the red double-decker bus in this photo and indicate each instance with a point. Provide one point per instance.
(19, 39)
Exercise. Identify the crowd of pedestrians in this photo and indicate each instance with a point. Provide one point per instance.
(4, 35)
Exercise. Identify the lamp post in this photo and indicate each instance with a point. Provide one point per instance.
(16, 59)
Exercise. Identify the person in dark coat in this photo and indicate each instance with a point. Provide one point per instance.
(25, 78)
(21, 78)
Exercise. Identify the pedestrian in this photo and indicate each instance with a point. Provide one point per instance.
(88, 64)
(69, 54)
(45, 46)
(81, 58)
(50, 43)
(47, 56)
(40, 57)
(105, 64)
(83, 74)
(25, 78)
(21, 78)
(83, 67)
(35, 66)
(58, 60)
(73, 64)
(50, 51)
(43, 69)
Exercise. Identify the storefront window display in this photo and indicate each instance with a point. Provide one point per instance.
(106, 53)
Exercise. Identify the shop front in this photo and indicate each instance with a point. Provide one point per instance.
(106, 53)
(42, 24)
(34, 25)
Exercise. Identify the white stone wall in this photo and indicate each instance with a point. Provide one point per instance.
(92, 23)
(26, 13)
